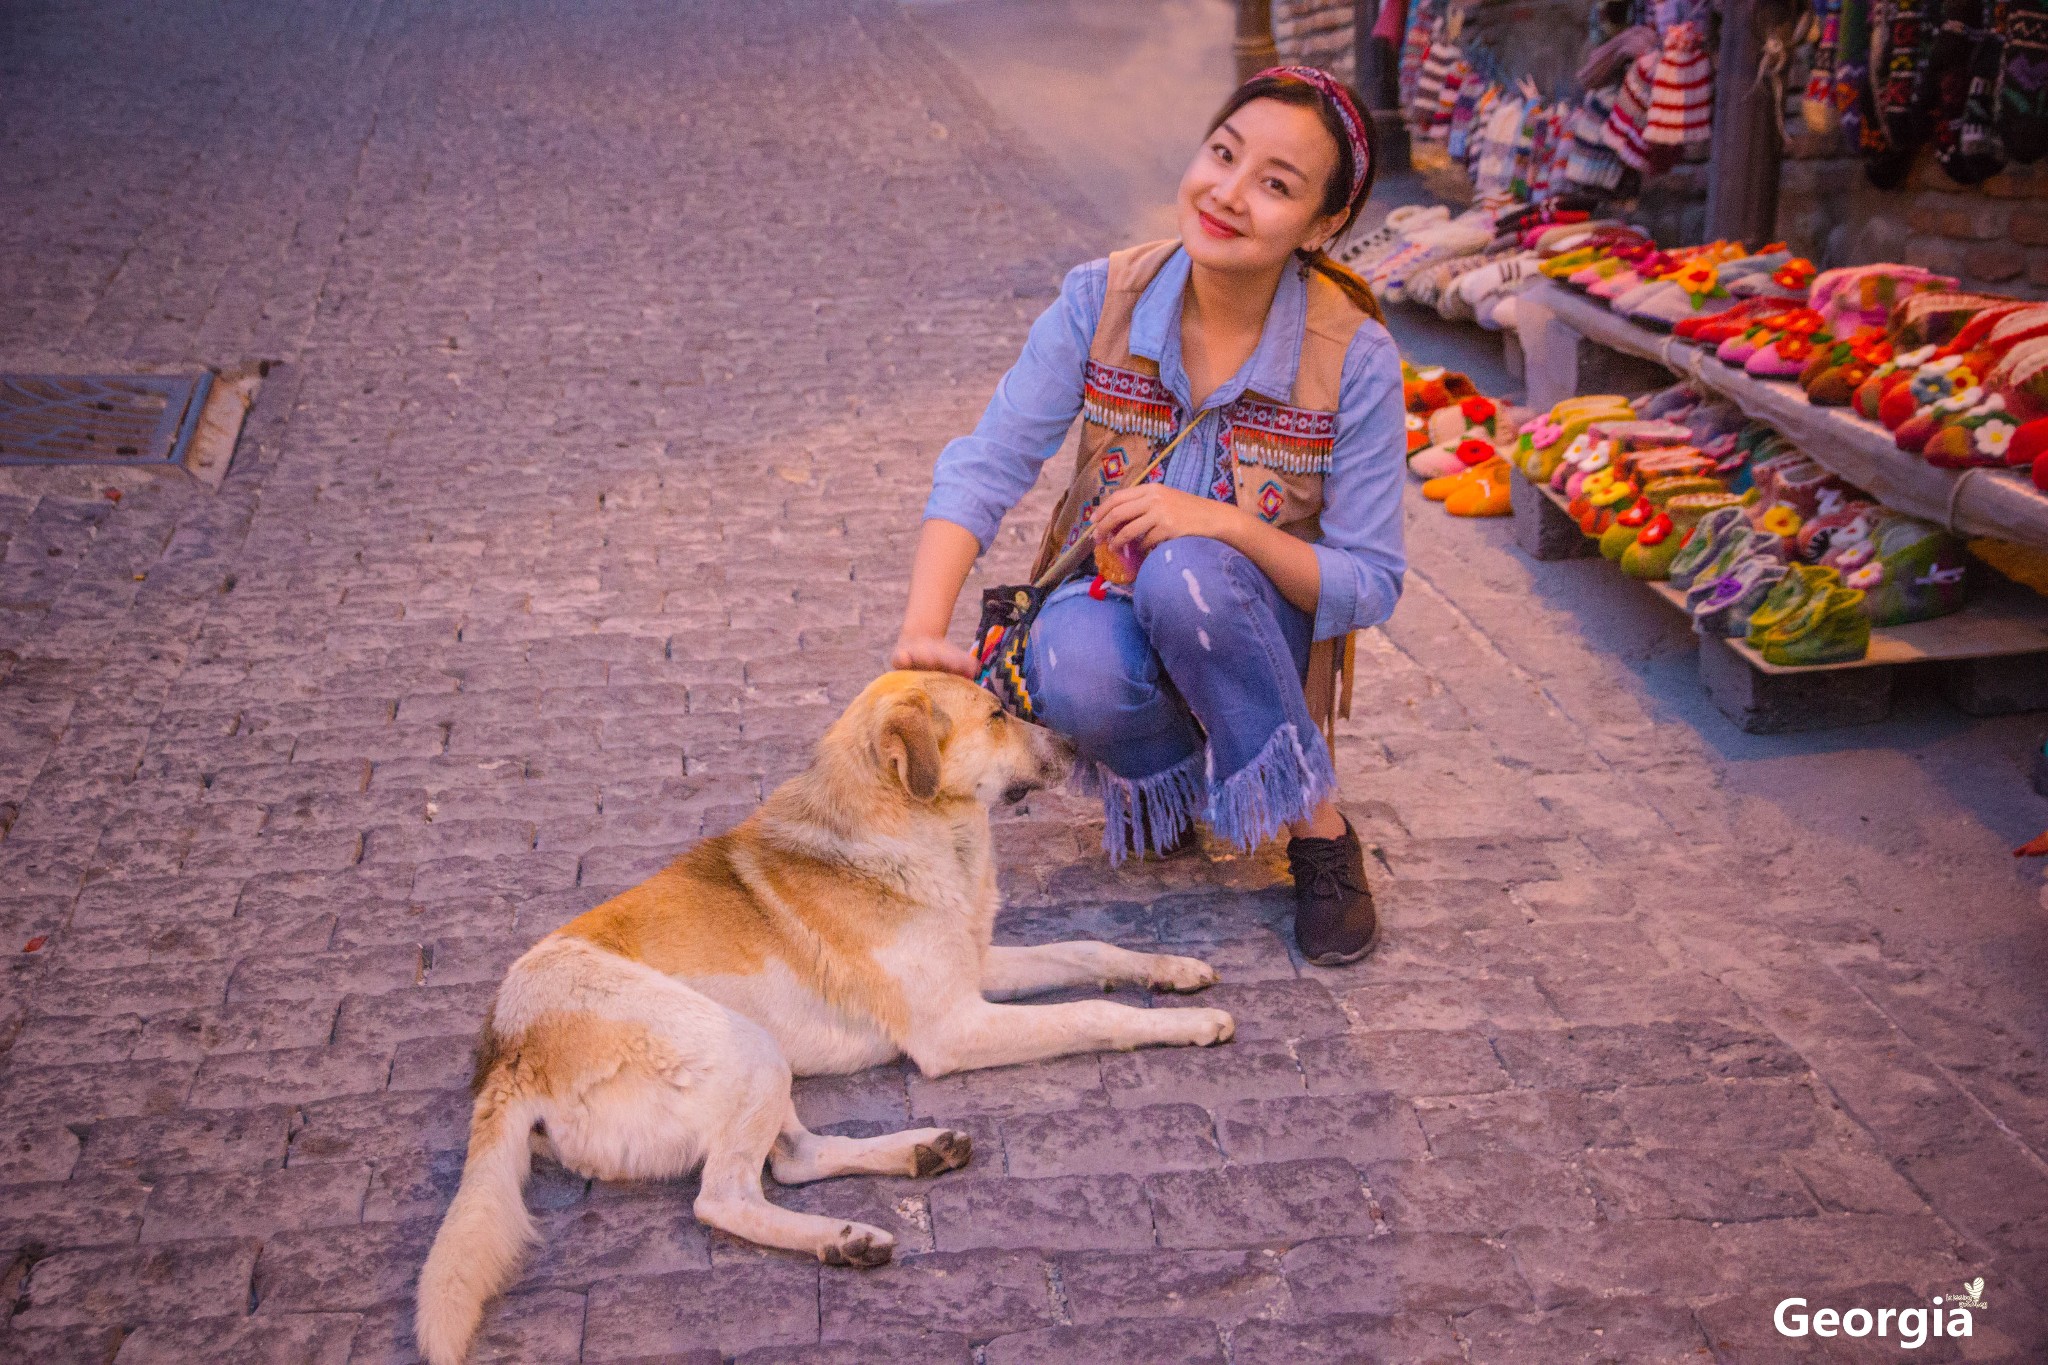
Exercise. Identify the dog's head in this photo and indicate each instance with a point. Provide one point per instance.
(936, 735)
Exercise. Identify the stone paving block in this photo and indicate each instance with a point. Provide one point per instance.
(292, 1075)
(979, 1294)
(256, 1026)
(320, 976)
(1413, 1339)
(1778, 1113)
(137, 1284)
(1406, 1061)
(372, 1020)
(1271, 1010)
(1256, 957)
(1403, 1273)
(82, 1094)
(32, 1150)
(1369, 1126)
(87, 1345)
(1495, 858)
(1486, 1193)
(1058, 1213)
(432, 1064)
(1222, 1286)
(1643, 1054)
(1694, 1262)
(1063, 1083)
(1140, 1341)
(877, 1095)
(902, 1348)
(633, 1231)
(304, 1338)
(365, 1127)
(101, 1209)
(145, 988)
(1631, 1329)
(1665, 1182)
(1095, 1141)
(731, 1308)
(249, 1204)
(1481, 1004)
(341, 1268)
(50, 1040)
(1278, 1202)
(1163, 1075)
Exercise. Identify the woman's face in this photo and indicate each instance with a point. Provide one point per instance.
(1254, 192)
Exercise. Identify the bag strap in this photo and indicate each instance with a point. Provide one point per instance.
(1084, 547)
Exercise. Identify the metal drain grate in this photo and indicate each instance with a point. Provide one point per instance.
(99, 418)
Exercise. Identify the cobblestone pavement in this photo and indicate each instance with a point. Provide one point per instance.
(614, 342)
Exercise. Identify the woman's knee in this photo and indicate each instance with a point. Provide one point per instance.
(1182, 582)
(1086, 679)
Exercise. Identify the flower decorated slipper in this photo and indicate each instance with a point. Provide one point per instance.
(1482, 493)
(1658, 544)
(1978, 437)
(1725, 603)
(1908, 570)
(1436, 387)
(1828, 628)
(1446, 461)
(1708, 541)
(1789, 597)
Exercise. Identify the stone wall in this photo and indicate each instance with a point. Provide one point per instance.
(1992, 237)
(1317, 33)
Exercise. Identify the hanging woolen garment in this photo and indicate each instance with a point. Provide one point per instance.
(1682, 92)
(1590, 160)
(2023, 81)
(1496, 168)
(1421, 29)
(1852, 74)
(1976, 132)
(1439, 57)
(1951, 67)
(1631, 110)
(1902, 93)
(1455, 78)
(1817, 104)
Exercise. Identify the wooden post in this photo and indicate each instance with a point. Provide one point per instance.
(1365, 58)
(1254, 45)
(1742, 176)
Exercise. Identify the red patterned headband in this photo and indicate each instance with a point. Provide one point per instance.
(1347, 114)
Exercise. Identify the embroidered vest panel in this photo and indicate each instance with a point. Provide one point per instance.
(1276, 448)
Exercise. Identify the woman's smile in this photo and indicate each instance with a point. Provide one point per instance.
(1217, 228)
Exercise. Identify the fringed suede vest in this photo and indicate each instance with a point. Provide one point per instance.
(1276, 447)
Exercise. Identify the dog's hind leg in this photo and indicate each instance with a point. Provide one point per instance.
(801, 1156)
(730, 1198)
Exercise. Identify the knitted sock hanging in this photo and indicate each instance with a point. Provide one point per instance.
(1817, 104)
(1949, 69)
(1902, 92)
(1681, 93)
(2023, 81)
(1631, 111)
(1976, 133)
(1852, 73)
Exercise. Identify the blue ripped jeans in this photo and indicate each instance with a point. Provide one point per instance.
(1184, 697)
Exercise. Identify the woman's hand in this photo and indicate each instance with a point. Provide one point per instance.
(933, 652)
(1151, 513)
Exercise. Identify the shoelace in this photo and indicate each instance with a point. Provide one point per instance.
(1326, 871)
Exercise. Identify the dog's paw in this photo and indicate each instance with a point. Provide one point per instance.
(949, 1151)
(1181, 974)
(859, 1246)
(1203, 1027)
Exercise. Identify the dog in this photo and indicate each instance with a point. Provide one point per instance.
(844, 924)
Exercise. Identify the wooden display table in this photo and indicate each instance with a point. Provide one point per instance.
(1989, 658)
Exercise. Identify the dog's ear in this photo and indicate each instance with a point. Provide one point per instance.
(909, 745)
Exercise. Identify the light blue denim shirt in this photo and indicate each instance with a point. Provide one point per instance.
(980, 477)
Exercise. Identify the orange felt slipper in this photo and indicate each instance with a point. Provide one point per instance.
(1482, 493)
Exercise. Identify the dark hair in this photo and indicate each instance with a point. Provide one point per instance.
(1337, 193)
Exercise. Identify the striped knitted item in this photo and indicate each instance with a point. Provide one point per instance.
(1631, 111)
(1590, 161)
(1682, 92)
(1456, 77)
(1414, 47)
(1439, 58)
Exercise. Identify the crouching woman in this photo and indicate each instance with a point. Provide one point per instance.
(1270, 530)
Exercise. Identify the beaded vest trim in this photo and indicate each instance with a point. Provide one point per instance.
(1127, 402)
(1292, 440)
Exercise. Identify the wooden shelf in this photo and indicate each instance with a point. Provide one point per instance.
(1971, 502)
(2002, 620)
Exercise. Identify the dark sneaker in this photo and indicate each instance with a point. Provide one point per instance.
(1333, 916)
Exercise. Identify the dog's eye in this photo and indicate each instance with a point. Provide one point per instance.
(997, 717)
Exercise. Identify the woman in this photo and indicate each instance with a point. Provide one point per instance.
(1270, 531)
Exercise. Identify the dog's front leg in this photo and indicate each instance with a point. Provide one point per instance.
(1010, 972)
(979, 1034)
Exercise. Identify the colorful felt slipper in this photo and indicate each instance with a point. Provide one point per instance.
(1482, 493)
(1828, 628)
(1708, 540)
(1659, 542)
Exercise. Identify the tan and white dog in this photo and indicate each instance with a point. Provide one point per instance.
(842, 925)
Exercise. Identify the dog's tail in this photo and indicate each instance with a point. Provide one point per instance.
(487, 1229)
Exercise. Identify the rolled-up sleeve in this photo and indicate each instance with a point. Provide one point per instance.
(1361, 556)
(979, 477)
